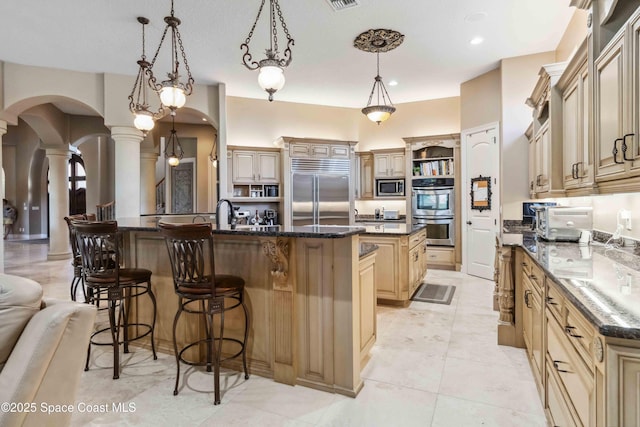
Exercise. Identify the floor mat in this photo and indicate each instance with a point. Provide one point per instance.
(437, 294)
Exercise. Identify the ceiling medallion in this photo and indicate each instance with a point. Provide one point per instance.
(379, 107)
(378, 41)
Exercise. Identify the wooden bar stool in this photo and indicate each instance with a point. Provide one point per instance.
(99, 248)
(203, 292)
(76, 261)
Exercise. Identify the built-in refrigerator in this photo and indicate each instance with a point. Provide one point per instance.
(320, 191)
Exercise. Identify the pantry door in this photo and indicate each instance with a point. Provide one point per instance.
(481, 199)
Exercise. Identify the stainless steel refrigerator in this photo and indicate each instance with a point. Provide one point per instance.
(320, 191)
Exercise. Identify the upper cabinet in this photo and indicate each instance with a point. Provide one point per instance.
(364, 176)
(546, 101)
(617, 101)
(319, 150)
(256, 167)
(389, 163)
(577, 139)
(254, 173)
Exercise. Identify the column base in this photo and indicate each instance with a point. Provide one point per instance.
(56, 256)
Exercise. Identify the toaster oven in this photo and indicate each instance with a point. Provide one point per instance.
(563, 223)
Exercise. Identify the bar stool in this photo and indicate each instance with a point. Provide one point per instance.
(201, 291)
(99, 248)
(76, 261)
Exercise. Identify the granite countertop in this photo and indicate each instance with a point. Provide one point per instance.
(602, 282)
(150, 223)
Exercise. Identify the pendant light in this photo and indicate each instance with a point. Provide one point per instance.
(213, 155)
(144, 119)
(173, 93)
(379, 107)
(271, 77)
(173, 151)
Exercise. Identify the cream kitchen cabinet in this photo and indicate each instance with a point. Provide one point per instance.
(367, 299)
(578, 168)
(533, 318)
(319, 150)
(389, 164)
(364, 177)
(617, 123)
(399, 266)
(260, 167)
(547, 132)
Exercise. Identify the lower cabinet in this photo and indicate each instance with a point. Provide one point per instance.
(367, 298)
(400, 265)
(441, 257)
(585, 378)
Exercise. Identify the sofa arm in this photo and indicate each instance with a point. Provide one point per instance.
(47, 361)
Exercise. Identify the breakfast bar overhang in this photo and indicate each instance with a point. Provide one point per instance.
(303, 293)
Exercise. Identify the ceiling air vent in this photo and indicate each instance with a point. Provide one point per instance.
(338, 5)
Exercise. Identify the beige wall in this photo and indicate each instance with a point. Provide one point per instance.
(574, 35)
(480, 100)
(518, 77)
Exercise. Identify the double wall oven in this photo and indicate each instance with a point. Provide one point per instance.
(433, 204)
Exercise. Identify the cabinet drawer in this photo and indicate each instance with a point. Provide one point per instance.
(526, 265)
(537, 277)
(299, 150)
(440, 256)
(340, 151)
(414, 239)
(319, 151)
(580, 334)
(560, 413)
(574, 376)
(555, 301)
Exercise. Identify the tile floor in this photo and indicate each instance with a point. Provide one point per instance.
(432, 365)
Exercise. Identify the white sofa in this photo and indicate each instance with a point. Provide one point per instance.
(43, 346)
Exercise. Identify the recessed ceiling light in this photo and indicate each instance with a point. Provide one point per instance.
(204, 119)
(475, 17)
(476, 40)
(393, 83)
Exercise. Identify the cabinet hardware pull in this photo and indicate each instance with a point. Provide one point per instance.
(615, 151)
(574, 171)
(555, 365)
(527, 293)
(550, 301)
(578, 170)
(569, 331)
(624, 146)
(524, 264)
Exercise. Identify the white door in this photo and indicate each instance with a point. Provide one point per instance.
(481, 201)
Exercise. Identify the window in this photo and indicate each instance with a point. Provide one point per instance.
(77, 186)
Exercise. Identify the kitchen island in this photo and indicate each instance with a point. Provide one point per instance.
(311, 303)
(576, 310)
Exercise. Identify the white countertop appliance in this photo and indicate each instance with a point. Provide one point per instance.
(391, 214)
(564, 223)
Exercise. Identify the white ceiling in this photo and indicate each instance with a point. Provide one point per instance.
(436, 56)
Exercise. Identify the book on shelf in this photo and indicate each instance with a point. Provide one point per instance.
(437, 167)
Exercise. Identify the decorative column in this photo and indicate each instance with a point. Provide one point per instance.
(58, 202)
(506, 295)
(3, 130)
(127, 170)
(148, 200)
(283, 308)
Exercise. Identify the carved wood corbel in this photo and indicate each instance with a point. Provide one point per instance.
(506, 296)
(278, 252)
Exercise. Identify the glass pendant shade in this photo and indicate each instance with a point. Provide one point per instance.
(173, 161)
(271, 78)
(172, 96)
(378, 113)
(143, 120)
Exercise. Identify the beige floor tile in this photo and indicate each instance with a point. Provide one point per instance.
(453, 412)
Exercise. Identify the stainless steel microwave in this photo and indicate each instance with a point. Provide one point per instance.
(390, 187)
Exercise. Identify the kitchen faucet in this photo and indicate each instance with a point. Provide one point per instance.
(231, 218)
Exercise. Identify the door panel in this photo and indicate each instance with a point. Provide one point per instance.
(333, 200)
(302, 199)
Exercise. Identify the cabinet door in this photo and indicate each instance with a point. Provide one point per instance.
(623, 386)
(537, 328)
(634, 126)
(320, 151)
(382, 165)
(542, 141)
(367, 304)
(570, 135)
(340, 151)
(527, 313)
(532, 167)
(585, 156)
(397, 164)
(387, 268)
(609, 103)
(268, 169)
(243, 166)
(366, 176)
(414, 269)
